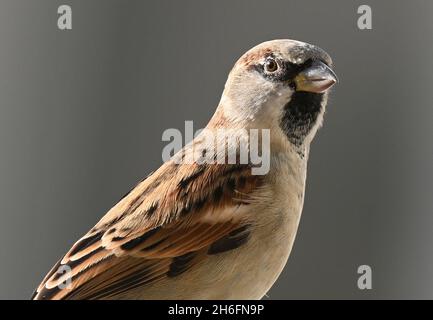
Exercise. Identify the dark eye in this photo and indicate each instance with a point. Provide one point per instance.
(270, 65)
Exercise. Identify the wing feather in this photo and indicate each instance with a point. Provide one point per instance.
(163, 227)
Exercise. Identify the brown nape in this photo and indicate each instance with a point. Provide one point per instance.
(252, 57)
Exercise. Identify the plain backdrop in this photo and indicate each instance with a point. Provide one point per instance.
(82, 113)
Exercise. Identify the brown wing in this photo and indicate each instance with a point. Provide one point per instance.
(164, 226)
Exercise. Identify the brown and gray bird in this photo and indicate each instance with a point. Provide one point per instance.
(211, 230)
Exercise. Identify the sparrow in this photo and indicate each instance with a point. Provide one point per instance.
(198, 230)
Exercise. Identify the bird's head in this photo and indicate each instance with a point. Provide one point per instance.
(280, 85)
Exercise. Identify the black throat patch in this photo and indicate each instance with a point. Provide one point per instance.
(300, 115)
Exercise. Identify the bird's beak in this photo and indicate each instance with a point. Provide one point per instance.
(317, 78)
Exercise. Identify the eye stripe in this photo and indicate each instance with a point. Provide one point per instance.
(288, 70)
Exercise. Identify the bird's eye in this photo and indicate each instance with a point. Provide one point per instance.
(271, 65)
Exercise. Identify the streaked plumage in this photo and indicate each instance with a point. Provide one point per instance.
(212, 231)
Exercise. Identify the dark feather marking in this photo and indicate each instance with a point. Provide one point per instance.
(194, 206)
(241, 182)
(153, 246)
(199, 204)
(85, 243)
(131, 244)
(73, 264)
(116, 220)
(184, 191)
(180, 264)
(231, 184)
(233, 240)
(134, 204)
(217, 194)
(187, 180)
(234, 168)
(185, 210)
(151, 210)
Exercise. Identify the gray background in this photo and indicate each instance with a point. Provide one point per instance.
(82, 113)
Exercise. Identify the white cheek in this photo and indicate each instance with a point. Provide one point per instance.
(270, 111)
(255, 101)
(283, 94)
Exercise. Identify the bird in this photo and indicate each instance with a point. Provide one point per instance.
(196, 230)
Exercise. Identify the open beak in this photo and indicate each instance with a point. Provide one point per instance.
(317, 78)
